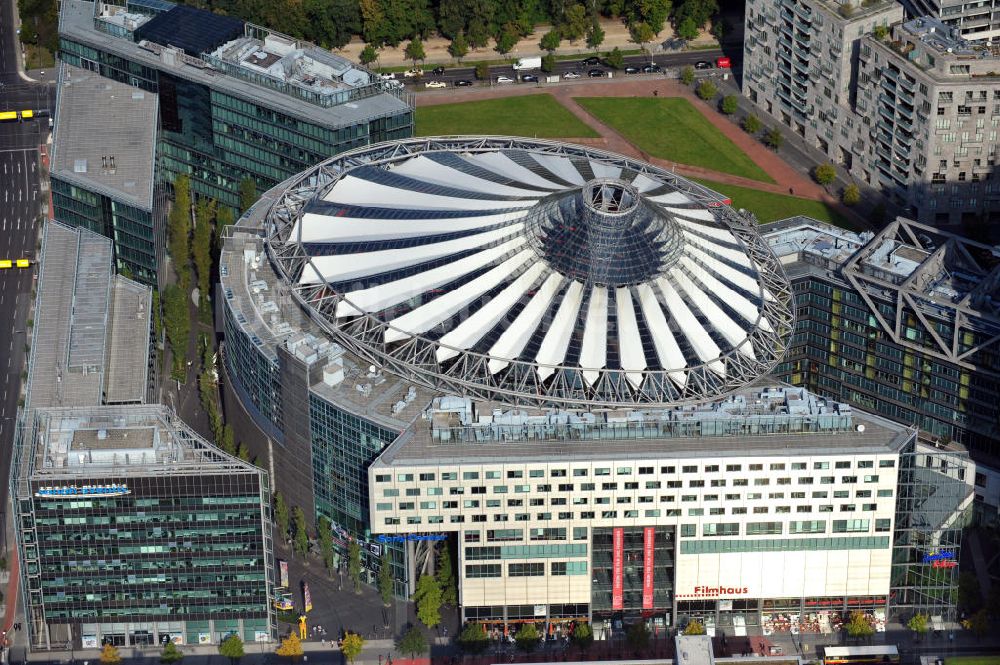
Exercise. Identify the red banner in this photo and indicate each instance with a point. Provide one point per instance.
(648, 550)
(618, 569)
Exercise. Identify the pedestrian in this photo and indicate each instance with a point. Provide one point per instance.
(791, 191)
(656, 93)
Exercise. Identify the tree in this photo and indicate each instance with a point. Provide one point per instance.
(385, 581)
(652, 12)
(290, 647)
(615, 59)
(446, 577)
(774, 138)
(978, 624)
(354, 565)
(550, 41)
(851, 195)
(368, 55)
(917, 623)
(583, 636)
(428, 600)
(970, 596)
(413, 642)
(243, 452)
(506, 40)
(574, 23)
(880, 32)
(179, 228)
(110, 655)
(707, 90)
(170, 653)
(482, 71)
(351, 646)
(201, 248)
(473, 638)
(730, 104)
(638, 637)
(248, 192)
(825, 174)
(548, 63)
(694, 627)
(232, 648)
(687, 75)
(697, 11)
(642, 34)
(595, 35)
(300, 541)
(859, 625)
(281, 515)
(177, 321)
(527, 637)
(751, 124)
(415, 50)
(459, 47)
(687, 29)
(325, 537)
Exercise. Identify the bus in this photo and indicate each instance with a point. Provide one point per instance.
(8, 115)
(875, 655)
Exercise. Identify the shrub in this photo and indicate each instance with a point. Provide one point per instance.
(752, 124)
(729, 104)
(687, 75)
(707, 90)
(774, 138)
(825, 174)
(851, 195)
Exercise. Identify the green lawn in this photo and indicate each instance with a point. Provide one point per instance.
(539, 116)
(973, 660)
(671, 128)
(770, 207)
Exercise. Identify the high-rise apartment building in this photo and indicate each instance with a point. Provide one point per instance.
(904, 324)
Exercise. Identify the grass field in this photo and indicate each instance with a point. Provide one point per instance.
(673, 129)
(973, 660)
(37, 57)
(770, 207)
(540, 116)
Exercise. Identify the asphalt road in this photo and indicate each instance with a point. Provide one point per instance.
(664, 60)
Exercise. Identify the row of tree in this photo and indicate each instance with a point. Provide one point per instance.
(333, 23)
(231, 648)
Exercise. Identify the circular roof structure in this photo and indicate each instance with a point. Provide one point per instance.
(532, 272)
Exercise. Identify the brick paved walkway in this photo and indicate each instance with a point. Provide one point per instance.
(787, 178)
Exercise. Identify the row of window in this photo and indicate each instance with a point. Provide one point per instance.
(556, 568)
(631, 514)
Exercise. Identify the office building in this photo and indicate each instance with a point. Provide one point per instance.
(799, 58)
(902, 323)
(103, 168)
(497, 322)
(131, 529)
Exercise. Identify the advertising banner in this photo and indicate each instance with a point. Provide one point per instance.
(648, 552)
(283, 573)
(617, 568)
(306, 597)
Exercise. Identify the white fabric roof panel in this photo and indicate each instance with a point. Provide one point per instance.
(556, 341)
(733, 333)
(737, 301)
(629, 342)
(670, 354)
(594, 350)
(513, 340)
(429, 170)
(359, 192)
(322, 228)
(706, 349)
(500, 163)
(561, 166)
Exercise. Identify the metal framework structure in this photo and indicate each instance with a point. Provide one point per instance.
(956, 283)
(430, 361)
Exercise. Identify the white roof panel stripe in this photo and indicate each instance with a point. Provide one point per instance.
(667, 350)
(513, 340)
(561, 166)
(594, 350)
(483, 319)
(357, 191)
(603, 170)
(629, 342)
(500, 163)
(324, 228)
(728, 328)
(644, 183)
(430, 314)
(429, 170)
(705, 348)
(731, 275)
(694, 213)
(744, 307)
(379, 297)
(718, 248)
(553, 348)
(670, 198)
(336, 268)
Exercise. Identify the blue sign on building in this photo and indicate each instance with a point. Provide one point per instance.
(411, 537)
(87, 490)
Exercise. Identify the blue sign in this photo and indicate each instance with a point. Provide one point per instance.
(939, 556)
(87, 490)
(411, 537)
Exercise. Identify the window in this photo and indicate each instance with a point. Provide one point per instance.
(761, 481)
(668, 469)
(843, 465)
(820, 495)
(719, 482)
(646, 470)
(558, 473)
(652, 484)
(721, 529)
(383, 477)
(578, 473)
(884, 493)
(798, 466)
(428, 476)
(808, 526)
(522, 489)
(515, 474)
(850, 526)
(689, 469)
(821, 465)
(482, 570)
(586, 487)
(536, 473)
(499, 489)
(449, 475)
(560, 568)
(609, 486)
(566, 487)
(734, 467)
(777, 467)
(688, 530)
(760, 510)
(470, 475)
(504, 535)
(471, 536)
(871, 479)
(696, 483)
(492, 475)
(764, 528)
(866, 464)
(883, 524)
(631, 486)
(756, 467)
(886, 463)
(412, 491)
(580, 533)
(739, 511)
(602, 472)
(712, 468)
(624, 471)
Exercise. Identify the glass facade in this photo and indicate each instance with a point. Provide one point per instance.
(633, 552)
(183, 555)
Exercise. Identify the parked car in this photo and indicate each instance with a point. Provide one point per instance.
(438, 71)
(462, 83)
(652, 68)
(410, 73)
(504, 79)
(529, 78)
(435, 84)
(703, 64)
(591, 61)
(391, 76)
(596, 73)
(571, 75)
(631, 70)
